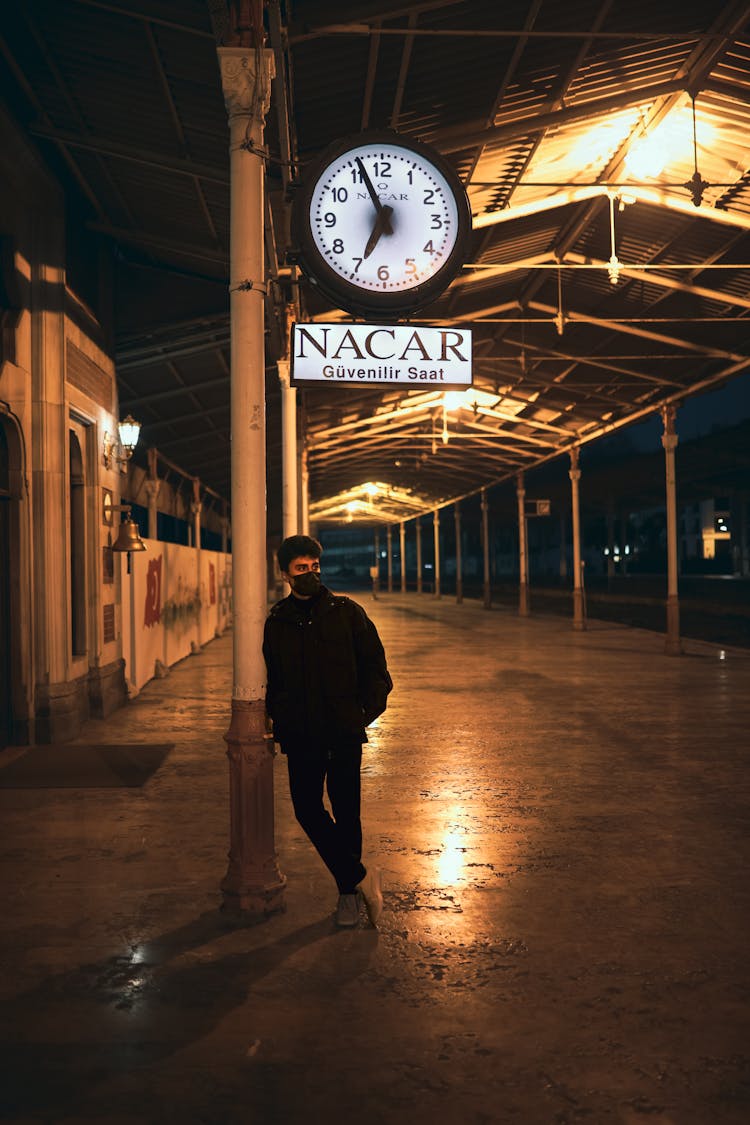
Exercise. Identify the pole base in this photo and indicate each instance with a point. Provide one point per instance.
(672, 642)
(253, 901)
(253, 884)
(524, 608)
(579, 618)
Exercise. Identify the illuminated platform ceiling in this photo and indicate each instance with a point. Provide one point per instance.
(605, 148)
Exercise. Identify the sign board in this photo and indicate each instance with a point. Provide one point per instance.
(537, 507)
(402, 355)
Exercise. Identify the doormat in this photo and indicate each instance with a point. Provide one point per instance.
(67, 766)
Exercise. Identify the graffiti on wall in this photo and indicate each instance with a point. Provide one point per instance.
(152, 615)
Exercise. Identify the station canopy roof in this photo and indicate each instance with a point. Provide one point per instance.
(605, 148)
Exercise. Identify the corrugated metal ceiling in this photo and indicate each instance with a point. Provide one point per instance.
(538, 105)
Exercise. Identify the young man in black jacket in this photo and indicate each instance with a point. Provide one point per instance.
(327, 681)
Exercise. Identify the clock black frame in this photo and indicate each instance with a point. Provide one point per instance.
(343, 293)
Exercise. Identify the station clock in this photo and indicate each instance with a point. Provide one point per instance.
(380, 224)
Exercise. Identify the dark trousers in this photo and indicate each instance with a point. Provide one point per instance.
(338, 839)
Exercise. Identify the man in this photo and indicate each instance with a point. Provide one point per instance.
(327, 681)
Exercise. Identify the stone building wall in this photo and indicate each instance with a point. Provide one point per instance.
(58, 397)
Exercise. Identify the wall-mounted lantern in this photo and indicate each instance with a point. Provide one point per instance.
(118, 451)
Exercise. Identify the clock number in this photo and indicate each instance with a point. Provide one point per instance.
(340, 195)
(338, 246)
(359, 262)
(382, 170)
(329, 219)
(411, 267)
(410, 177)
(383, 273)
(428, 248)
(357, 176)
(437, 222)
(429, 195)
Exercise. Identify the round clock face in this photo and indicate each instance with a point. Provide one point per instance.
(381, 224)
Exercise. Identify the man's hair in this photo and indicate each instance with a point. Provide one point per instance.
(297, 547)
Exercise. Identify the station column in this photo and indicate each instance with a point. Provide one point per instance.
(152, 492)
(575, 476)
(669, 441)
(459, 576)
(290, 518)
(402, 553)
(436, 537)
(304, 507)
(253, 882)
(418, 522)
(523, 550)
(486, 591)
(389, 548)
(153, 485)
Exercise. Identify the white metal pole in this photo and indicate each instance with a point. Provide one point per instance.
(290, 519)
(402, 554)
(305, 487)
(436, 537)
(523, 554)
(459, 561)
(389, 547)
(486, 588)
(253, 882)
(669, 440)
(575, 476)
(152, 492)
(418, 523)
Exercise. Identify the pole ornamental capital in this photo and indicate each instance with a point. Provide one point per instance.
(669, 438)
(246, 76)
(282, 366)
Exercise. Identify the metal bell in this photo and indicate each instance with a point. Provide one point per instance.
(128, 538)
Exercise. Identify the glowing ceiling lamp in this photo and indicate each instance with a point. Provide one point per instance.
(672, 141)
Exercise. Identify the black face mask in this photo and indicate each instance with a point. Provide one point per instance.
(306, 584)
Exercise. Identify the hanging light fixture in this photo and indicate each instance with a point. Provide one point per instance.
(696, 185)
(614, 265)
(560, 316)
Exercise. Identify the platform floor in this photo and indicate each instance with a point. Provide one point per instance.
(562, 819)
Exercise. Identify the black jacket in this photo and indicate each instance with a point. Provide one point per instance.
(327, 673)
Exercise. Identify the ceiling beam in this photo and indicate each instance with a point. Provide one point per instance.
(458, 138)
(650, 277)
(152, 159)
(146, 238)
(130, 14)
(633, 330)
(159, 355)
(148, 398)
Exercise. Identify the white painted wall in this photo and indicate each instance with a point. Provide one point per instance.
(168, 609)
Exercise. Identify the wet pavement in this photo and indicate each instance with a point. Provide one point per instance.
(562, 821)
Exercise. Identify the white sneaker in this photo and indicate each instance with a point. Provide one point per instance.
(371, 892)
(347, 911)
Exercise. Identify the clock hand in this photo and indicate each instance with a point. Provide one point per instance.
(382, 226)
(373, 194)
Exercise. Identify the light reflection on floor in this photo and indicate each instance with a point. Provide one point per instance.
(452, 857)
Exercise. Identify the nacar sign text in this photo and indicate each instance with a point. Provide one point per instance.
(367, 353)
